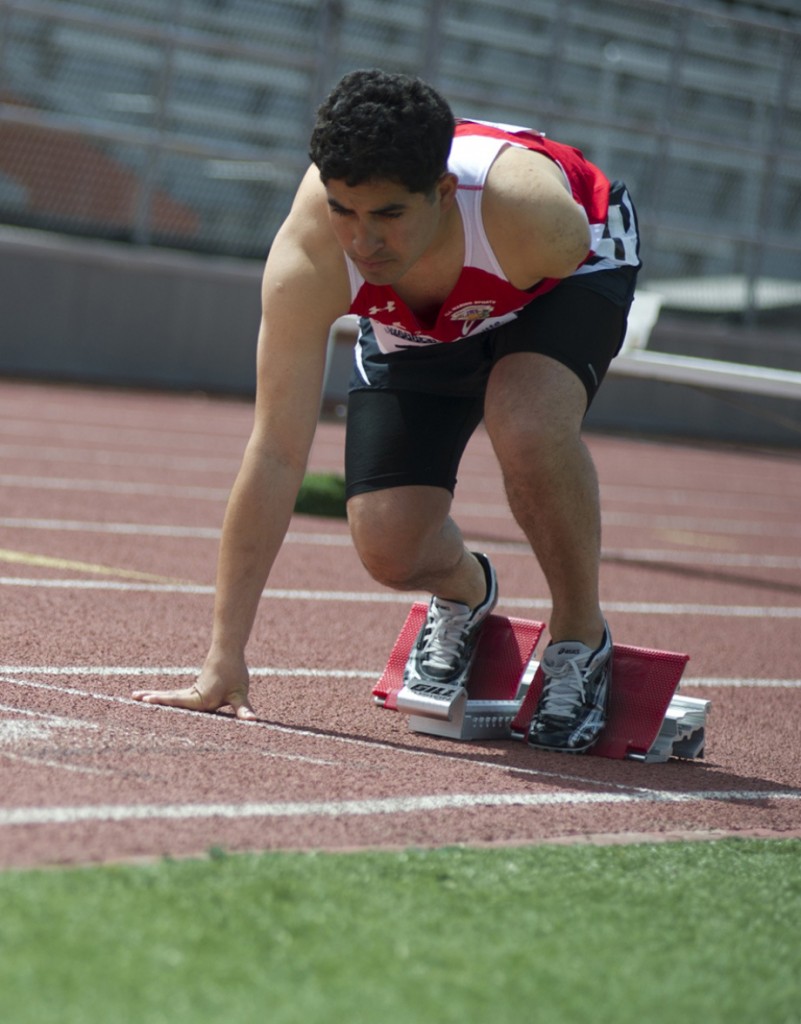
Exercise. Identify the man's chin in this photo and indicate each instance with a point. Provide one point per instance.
(384, 272)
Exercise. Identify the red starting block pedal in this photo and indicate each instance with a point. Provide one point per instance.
(497, 683)
(647, 720)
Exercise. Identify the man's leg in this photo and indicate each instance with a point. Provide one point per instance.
(407, 540)
(533, 411)
(402, 454)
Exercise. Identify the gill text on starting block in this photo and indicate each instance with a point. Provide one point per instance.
(496, 686)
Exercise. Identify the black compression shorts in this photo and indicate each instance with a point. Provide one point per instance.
(411, 424)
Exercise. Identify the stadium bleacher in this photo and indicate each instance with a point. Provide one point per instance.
(189, 118)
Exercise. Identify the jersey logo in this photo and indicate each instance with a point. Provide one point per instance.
(389, 308)
(470, 313)
(398, 331)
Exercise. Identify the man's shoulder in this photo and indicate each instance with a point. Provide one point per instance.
(309, 211)
(307, 228)
(520, 171)
(305, 262)
(533, 223)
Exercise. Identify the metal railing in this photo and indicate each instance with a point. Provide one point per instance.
(185, 122)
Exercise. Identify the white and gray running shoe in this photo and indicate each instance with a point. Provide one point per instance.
(445, 648)
(573, 704)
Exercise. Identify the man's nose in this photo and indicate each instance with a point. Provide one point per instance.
(366, 241)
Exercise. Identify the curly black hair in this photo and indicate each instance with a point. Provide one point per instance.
(380, 126)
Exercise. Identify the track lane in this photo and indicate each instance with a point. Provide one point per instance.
(712, 568)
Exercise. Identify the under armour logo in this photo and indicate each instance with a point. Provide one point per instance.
(389, 308)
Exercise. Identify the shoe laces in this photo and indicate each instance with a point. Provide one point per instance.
(444, 636)
(563, 691)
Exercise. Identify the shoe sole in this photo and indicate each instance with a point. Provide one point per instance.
(563, 750)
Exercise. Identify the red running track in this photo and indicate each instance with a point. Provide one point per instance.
(111, 507)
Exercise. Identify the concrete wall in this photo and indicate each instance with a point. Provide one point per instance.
(108, 313)
(661, 409)
(708, 412)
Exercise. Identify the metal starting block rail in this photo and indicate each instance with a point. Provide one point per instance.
(648, 721)
(458, 717)
(683, 731)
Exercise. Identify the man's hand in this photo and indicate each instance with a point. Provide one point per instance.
(216, 687)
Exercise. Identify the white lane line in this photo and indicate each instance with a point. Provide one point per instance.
(161, 530)
(26, 726)
(183, 436)
(484, 511)
(100, 457)
(40, 762)
(462, 758)
(745, 683)
(694, 557)
(512, 547)
(52, 483)
(50, 720)
(12, 730)
(702, 558)
(190, 671)
(12, 816)
(666, 496)
(59, 584)
(389, 597)
(124, 529)
(605, 792)
(705, 525)
(105, 671)
(226, 722)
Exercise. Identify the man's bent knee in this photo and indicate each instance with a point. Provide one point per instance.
(393, 530)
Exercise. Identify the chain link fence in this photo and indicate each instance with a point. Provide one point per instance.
(184, 123)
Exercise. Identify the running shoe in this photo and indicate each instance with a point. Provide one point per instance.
(573, 704)
(443, 654)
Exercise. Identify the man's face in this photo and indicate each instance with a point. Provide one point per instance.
(383, 227)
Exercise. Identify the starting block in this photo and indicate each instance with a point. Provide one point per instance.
(497, 683)
(648, 721)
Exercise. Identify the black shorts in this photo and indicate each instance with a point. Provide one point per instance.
(412, 423)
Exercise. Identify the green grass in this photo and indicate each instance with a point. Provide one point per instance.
(322, 494)
(705, 932)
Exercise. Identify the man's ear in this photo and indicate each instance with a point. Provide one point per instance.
(446, 189)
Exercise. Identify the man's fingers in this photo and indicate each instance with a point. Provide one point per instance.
(238, 699)
(192, 699)
(189, 698)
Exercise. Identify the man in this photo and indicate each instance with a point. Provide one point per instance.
(493, 271)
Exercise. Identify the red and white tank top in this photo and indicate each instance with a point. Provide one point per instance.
(483, 298)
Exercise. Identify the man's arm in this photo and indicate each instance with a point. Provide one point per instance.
(304, 290)
(533, 223)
